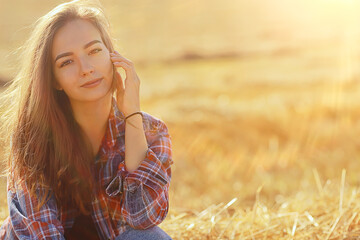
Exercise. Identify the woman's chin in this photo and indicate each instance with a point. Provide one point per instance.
(96, 94)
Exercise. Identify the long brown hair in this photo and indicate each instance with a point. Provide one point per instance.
(46, 149)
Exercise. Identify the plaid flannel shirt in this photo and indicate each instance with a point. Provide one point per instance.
(138, 199)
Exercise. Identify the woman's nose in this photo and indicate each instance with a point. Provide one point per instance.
(85, 67)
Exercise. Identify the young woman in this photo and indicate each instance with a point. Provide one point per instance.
(84, 161)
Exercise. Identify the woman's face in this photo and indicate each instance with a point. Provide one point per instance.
(81, 62)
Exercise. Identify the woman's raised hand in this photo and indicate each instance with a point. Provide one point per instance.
(128, 99)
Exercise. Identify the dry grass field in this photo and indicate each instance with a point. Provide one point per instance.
(262, 100)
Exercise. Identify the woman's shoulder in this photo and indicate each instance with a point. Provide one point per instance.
(153, 124)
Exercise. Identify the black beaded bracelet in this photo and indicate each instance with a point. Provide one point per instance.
(133, 115)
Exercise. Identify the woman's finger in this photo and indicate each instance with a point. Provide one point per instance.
(118, 58)
(128, 69)
(128, 60)
(119, 82)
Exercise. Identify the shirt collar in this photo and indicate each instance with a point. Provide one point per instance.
(115, 128)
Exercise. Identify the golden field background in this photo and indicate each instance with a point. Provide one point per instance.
(262, 102)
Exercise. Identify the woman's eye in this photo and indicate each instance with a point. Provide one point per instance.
(65, 63)
(95, 50)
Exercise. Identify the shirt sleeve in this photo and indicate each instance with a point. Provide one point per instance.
(29, 222)
(145, 190)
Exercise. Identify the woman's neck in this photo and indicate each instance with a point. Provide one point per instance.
(92, 118)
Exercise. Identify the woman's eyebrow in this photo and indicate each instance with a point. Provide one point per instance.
(70, 53)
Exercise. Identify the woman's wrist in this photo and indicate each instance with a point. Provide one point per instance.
(130, 110)
(133, 114)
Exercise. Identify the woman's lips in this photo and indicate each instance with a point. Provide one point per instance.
(92, 83)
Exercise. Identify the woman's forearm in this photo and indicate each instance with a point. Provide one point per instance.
(135, 142)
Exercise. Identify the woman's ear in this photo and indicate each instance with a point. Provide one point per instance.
(57, 86)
